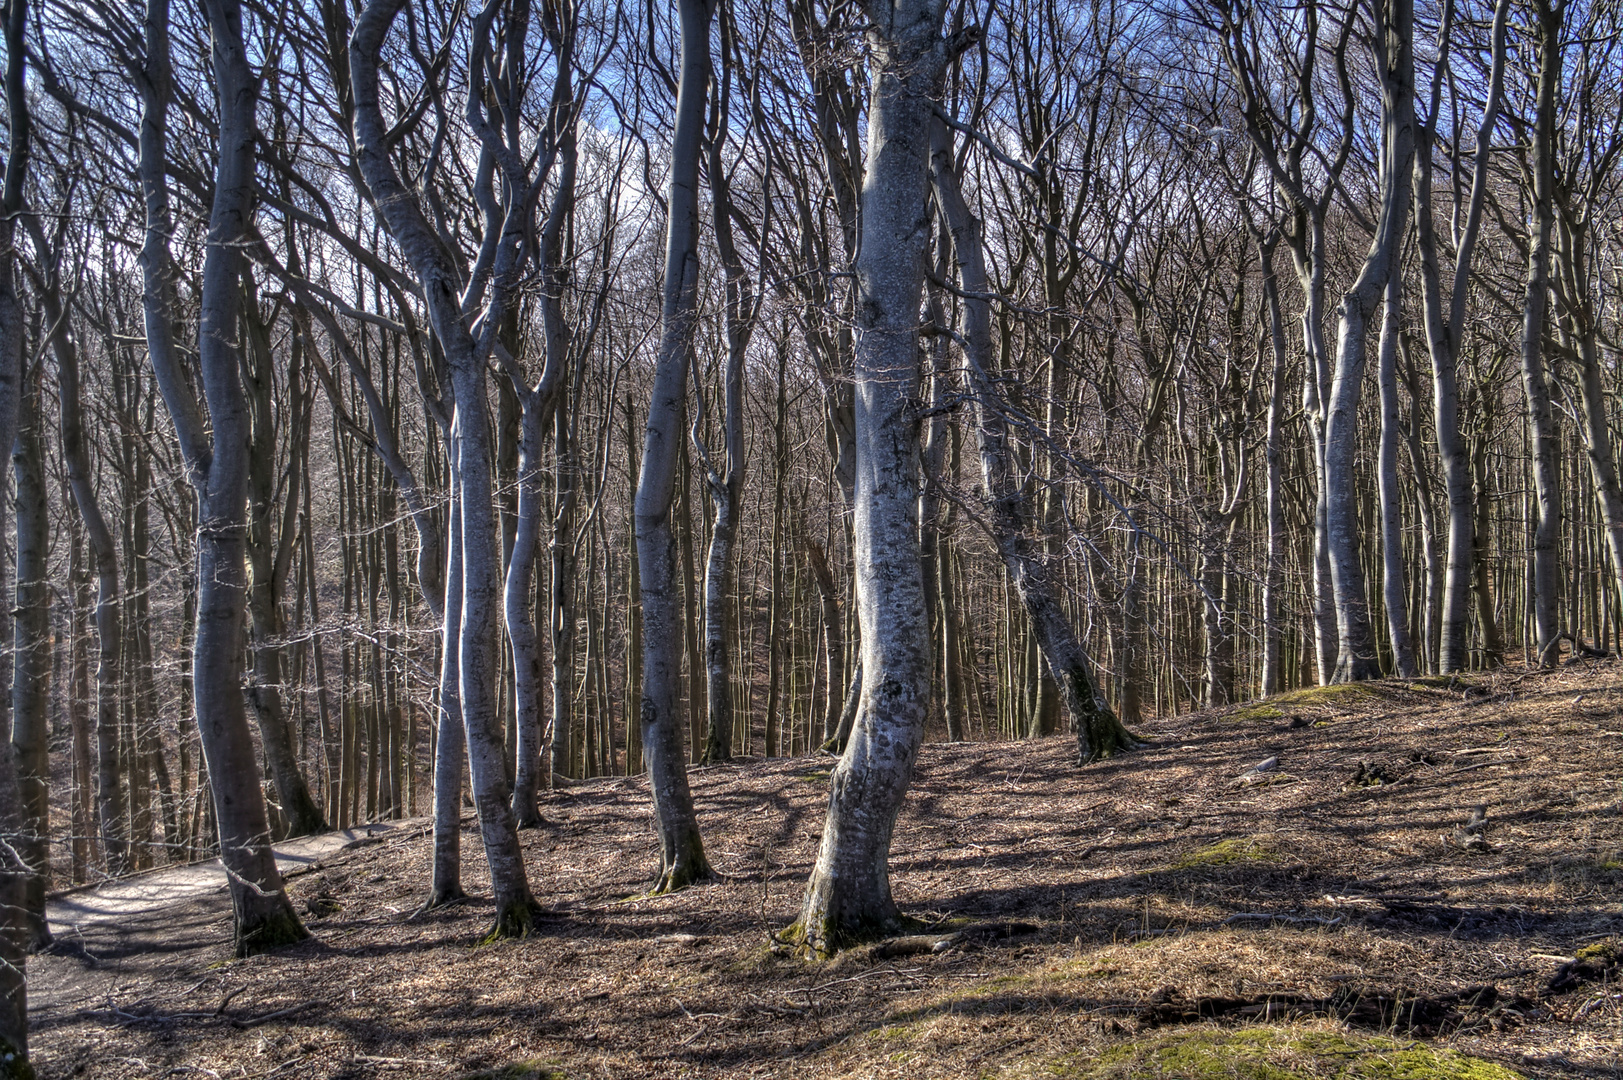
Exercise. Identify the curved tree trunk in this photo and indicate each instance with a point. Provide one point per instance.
(848, 897)
(217, 462)
(479, 551)
(681, 849)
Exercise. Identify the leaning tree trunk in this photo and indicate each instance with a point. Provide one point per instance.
(1098, 733)
(216, 461)
(848, 897)
(681, 849)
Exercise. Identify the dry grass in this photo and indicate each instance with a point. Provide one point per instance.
(1133, 871)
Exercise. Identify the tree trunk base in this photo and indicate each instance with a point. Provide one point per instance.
(442, 898)
(515, 920)
(689, 867)
(1106, 737)
(270, 931)
(527, 816)
(825, 937)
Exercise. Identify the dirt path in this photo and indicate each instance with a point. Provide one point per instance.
(172, 911)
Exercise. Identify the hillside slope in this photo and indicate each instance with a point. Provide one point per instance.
(1168, 913)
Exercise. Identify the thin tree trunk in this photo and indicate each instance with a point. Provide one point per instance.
(31, 660)
(1544, 439)
(681, 849)
(1394, 591)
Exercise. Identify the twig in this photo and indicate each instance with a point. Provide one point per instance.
(255, 1021)
(1269, 917)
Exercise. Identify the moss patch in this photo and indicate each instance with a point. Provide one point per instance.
(1280, 705)
(1269, 1054)
(529, 1069)
(1243, 849)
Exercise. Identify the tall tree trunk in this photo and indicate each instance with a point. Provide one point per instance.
(1445, 329)
(1544, 439)
(1395, 55)
(217, 462)
(1274, 575)
(1394, 592)
(15, 873)
(848, 897)
(480, 552)
(681, 849)
(270, 550)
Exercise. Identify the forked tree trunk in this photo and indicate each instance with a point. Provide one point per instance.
(848, 897)
(1395, 59)
(681, 849)
(1445, 329)
(479, 551)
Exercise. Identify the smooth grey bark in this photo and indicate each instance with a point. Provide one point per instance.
(1098, 733)
(1544, 438)
(848, 897)
(31, 657)
(1273, 582)
(1445, 330)
(466, 356)
(216, 461)
(1395, 58)
(1394, 592)
(681, 848)
(724, 479)
(451, 743)
(541, 406)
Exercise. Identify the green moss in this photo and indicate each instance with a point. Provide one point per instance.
(1280, 705)
(813, 777)
(1226, 853)
(1273, 1054)
(1602, 952)
(529, 1069)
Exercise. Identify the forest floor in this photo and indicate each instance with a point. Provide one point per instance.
(1169, 913)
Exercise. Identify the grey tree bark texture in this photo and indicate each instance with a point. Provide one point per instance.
(479, 553)
(1445, 330)
(1099, 734)
(216, 460)
(1545, 441)
(724, 479)
(848, 897)
(681, 848)
(1394, 592)
(1395, 59)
